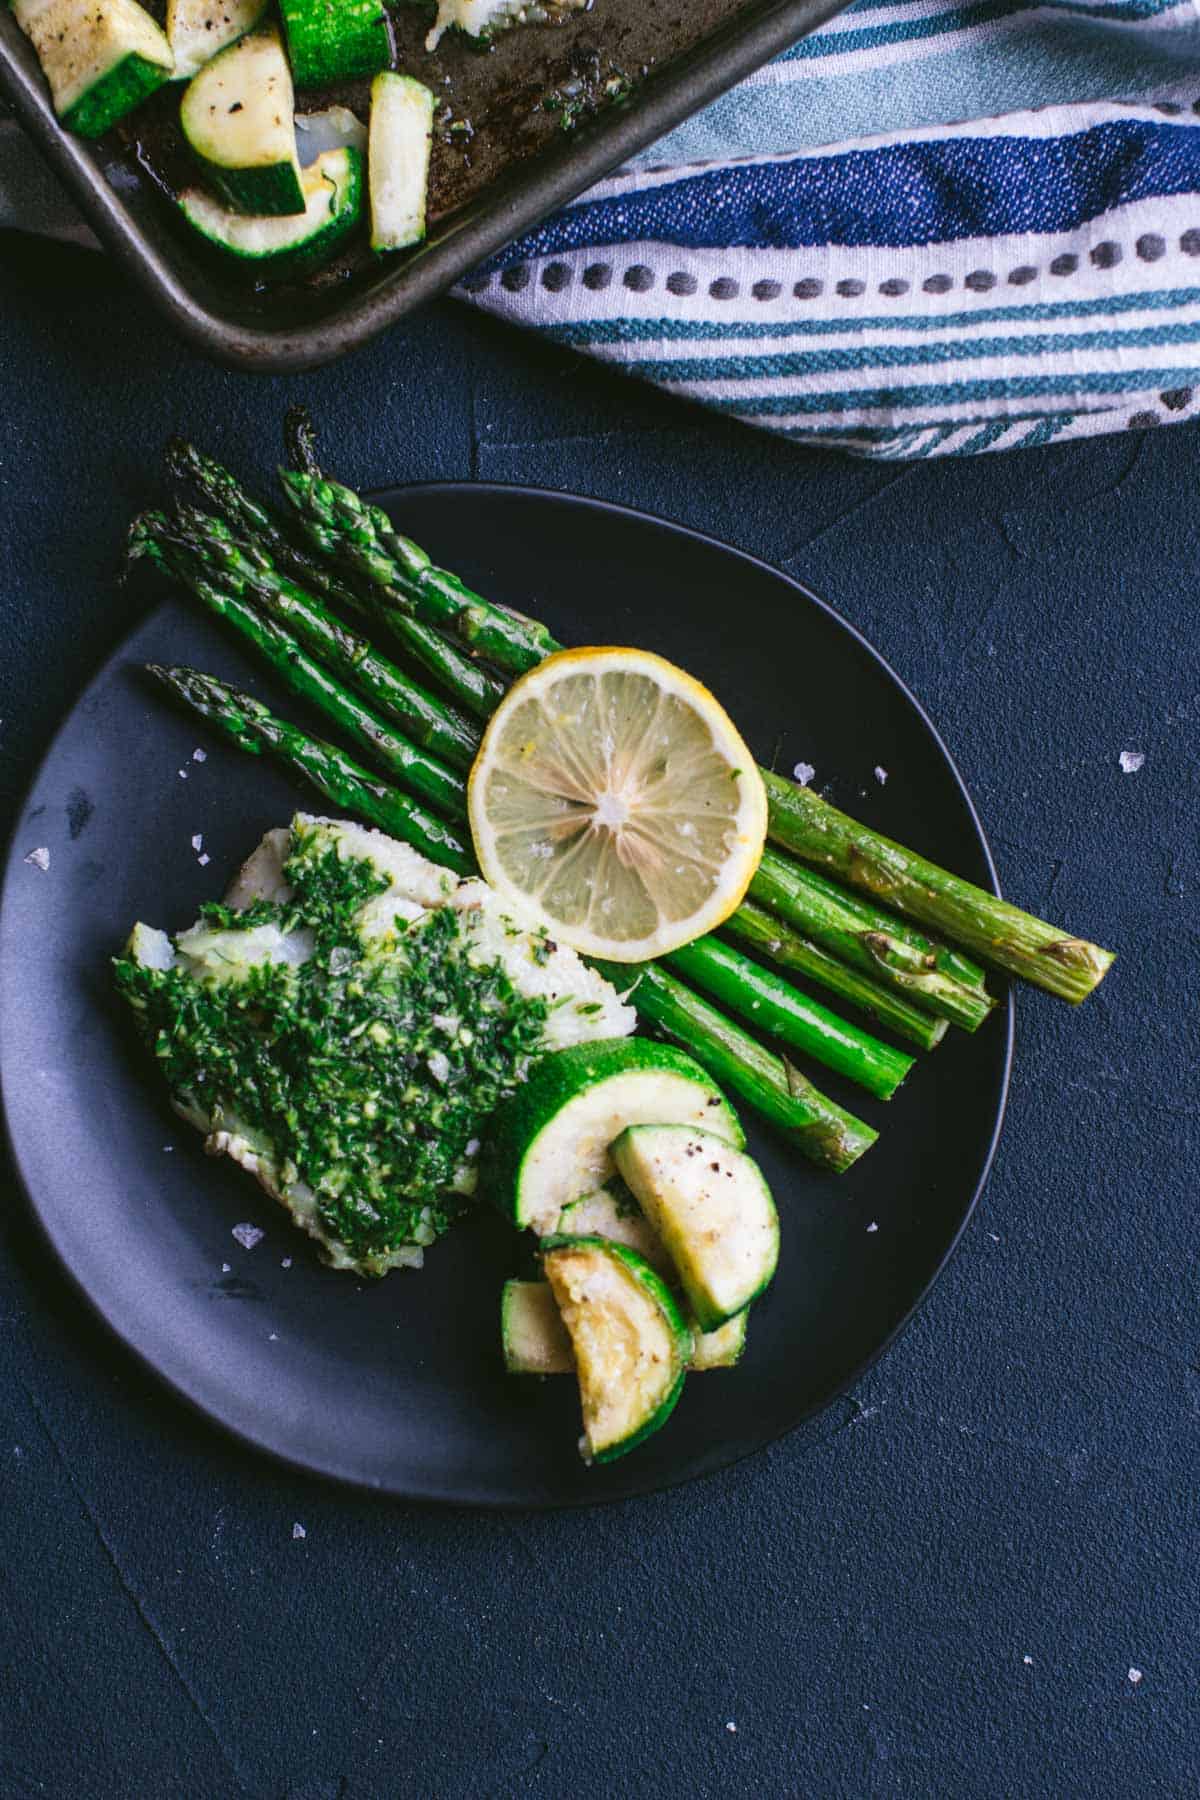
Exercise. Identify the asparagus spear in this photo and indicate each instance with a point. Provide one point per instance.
(792, 951)
(428, 779)
(404, 579)
(252, 559)
(256, 526)
(250, 725)
(821, 911)
(930, 954)
(828, 1136)
(990, 928)
(341, 524)
(209, 546)
(782, 1012)
(224, 495)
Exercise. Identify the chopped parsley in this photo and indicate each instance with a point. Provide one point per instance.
(368, 1068)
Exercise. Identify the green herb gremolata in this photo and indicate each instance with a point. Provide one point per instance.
(368, 1069)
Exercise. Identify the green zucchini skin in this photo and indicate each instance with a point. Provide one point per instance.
(660, 1296)
(271, 193)
(305, 252)
(566, 1076)
(335, 40)
(114, 95)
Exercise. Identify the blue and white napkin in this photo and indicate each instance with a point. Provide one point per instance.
(827, 254)
(822, 254)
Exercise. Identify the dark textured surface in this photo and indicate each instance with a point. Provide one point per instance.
(1015, 1481)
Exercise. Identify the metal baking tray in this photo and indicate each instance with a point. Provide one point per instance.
(514, 166)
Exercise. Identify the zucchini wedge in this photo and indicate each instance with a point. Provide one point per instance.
(550, 1143)
(611, 1215)
(722, 1348)
(198, 30)
(536, 1342)
(100, 57)
(712, 1209)
(236, 115)
(335, 40)
(275, 247)
(631, 1343)
(398, 160)
(532, 1335)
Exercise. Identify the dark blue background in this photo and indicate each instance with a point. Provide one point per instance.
(939, 1587)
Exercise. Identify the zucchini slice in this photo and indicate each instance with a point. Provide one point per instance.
(334, 40)
(274, 247)
(198, 30)
(712, 1209)
(610, 1215)
(398, 160)
(536, 1342)
(532, 1335)
(630, 1341)
(236, 115)
(550, 1143)
(722, 1348)
(101, 57)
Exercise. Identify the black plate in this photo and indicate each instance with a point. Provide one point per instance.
(398, 1385)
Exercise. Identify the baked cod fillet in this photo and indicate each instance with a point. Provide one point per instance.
(345, 1022)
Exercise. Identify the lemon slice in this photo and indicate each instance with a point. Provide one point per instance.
(613, 796)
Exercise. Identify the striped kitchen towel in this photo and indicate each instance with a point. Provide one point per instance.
(924, 288)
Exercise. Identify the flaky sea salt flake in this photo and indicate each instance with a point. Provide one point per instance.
(248, 1235)
(298, 1531)
(803, 773)
(39, 858)
(204, 859)
(199, 755)
(881, 775)
(872, 1226)
(1135, 1675)
(1131, 761)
